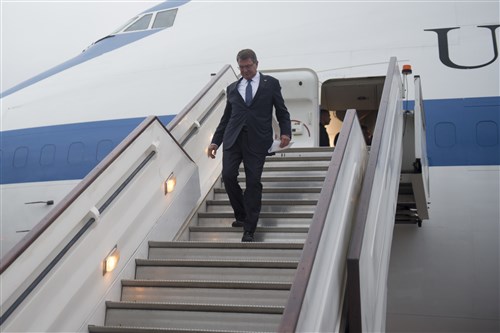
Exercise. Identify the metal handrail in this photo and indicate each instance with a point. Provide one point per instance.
(293, 307)
(357, 237)
(51, 217)
(177, 119)
(73, 240)
(47, 221)
(30, 238)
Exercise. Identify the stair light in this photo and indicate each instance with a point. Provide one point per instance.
(111, 260)
(169, 184)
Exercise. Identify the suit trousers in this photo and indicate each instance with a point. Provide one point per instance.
(246, 205)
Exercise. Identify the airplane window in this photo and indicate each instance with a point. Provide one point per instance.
(104, 147)
(140, 24)
(76, 153)
(47, 155)
(164, 19)
(445, 134)
(20, 157)
(487, 133)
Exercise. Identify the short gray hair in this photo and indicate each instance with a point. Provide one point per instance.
(246, 54)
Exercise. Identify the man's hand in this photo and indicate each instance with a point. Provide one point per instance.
(285, 140)
(212, 150)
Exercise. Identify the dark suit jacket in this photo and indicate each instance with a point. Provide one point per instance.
(257, 118)
(324, 138)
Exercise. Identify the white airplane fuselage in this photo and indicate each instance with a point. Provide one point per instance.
(58, 126)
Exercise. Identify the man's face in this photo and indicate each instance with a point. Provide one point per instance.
(248, 68)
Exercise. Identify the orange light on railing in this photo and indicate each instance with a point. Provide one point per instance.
(406, 69)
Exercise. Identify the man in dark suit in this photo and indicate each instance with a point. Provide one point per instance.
(247, 133)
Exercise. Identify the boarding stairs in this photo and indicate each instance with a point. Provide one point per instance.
(209, 279)
(319, 263)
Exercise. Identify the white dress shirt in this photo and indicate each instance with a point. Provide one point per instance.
(243, 85)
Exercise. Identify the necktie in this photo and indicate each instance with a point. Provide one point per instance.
(248, 92)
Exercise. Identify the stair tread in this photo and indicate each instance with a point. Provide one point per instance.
(218, 263)
(279, 189)
(238, 229)
(262, 215)
(294, 168)
(188, 306)
(324, 158)
(208, 283)
(293, 178)
(130, 329)
(287, 202)
(239, 245)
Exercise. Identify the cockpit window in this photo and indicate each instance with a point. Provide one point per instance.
(164, 19)
(161, 20)
(124, 26)
(140, 24)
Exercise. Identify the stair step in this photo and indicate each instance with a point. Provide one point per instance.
(263, 222)
(206, 292)
(406, 199)
(291, 179)
(230, 273)
(126, 329)
(269, 202)
(208, 284)
(193, 316)
(280, 190)
(267, 205)
(217, 263)
(266, 219)
(298, 159)
(123, 329)
(290, 170)
(228, 250)
(181, 244)
(265, 215)
(296, 168)
(237, 308)
(309, 150)
(262, 234)
(206, 295)
(270, 193)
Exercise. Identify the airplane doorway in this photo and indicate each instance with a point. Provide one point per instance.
(362, 94)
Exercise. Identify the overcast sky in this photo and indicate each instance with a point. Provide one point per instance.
(38, 35)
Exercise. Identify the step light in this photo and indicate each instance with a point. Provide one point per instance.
(169, 184)
(111, 260)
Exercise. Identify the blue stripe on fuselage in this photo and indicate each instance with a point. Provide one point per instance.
(104, 45)
(460, 132)
(60, 152)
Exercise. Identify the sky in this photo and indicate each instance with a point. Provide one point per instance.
(38, 35)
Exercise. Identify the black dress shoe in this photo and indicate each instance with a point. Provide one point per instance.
(238, 223)
(247, 236)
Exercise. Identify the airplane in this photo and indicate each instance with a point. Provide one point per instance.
(58, 126)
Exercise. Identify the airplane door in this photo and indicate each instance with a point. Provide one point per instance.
(300, 89)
